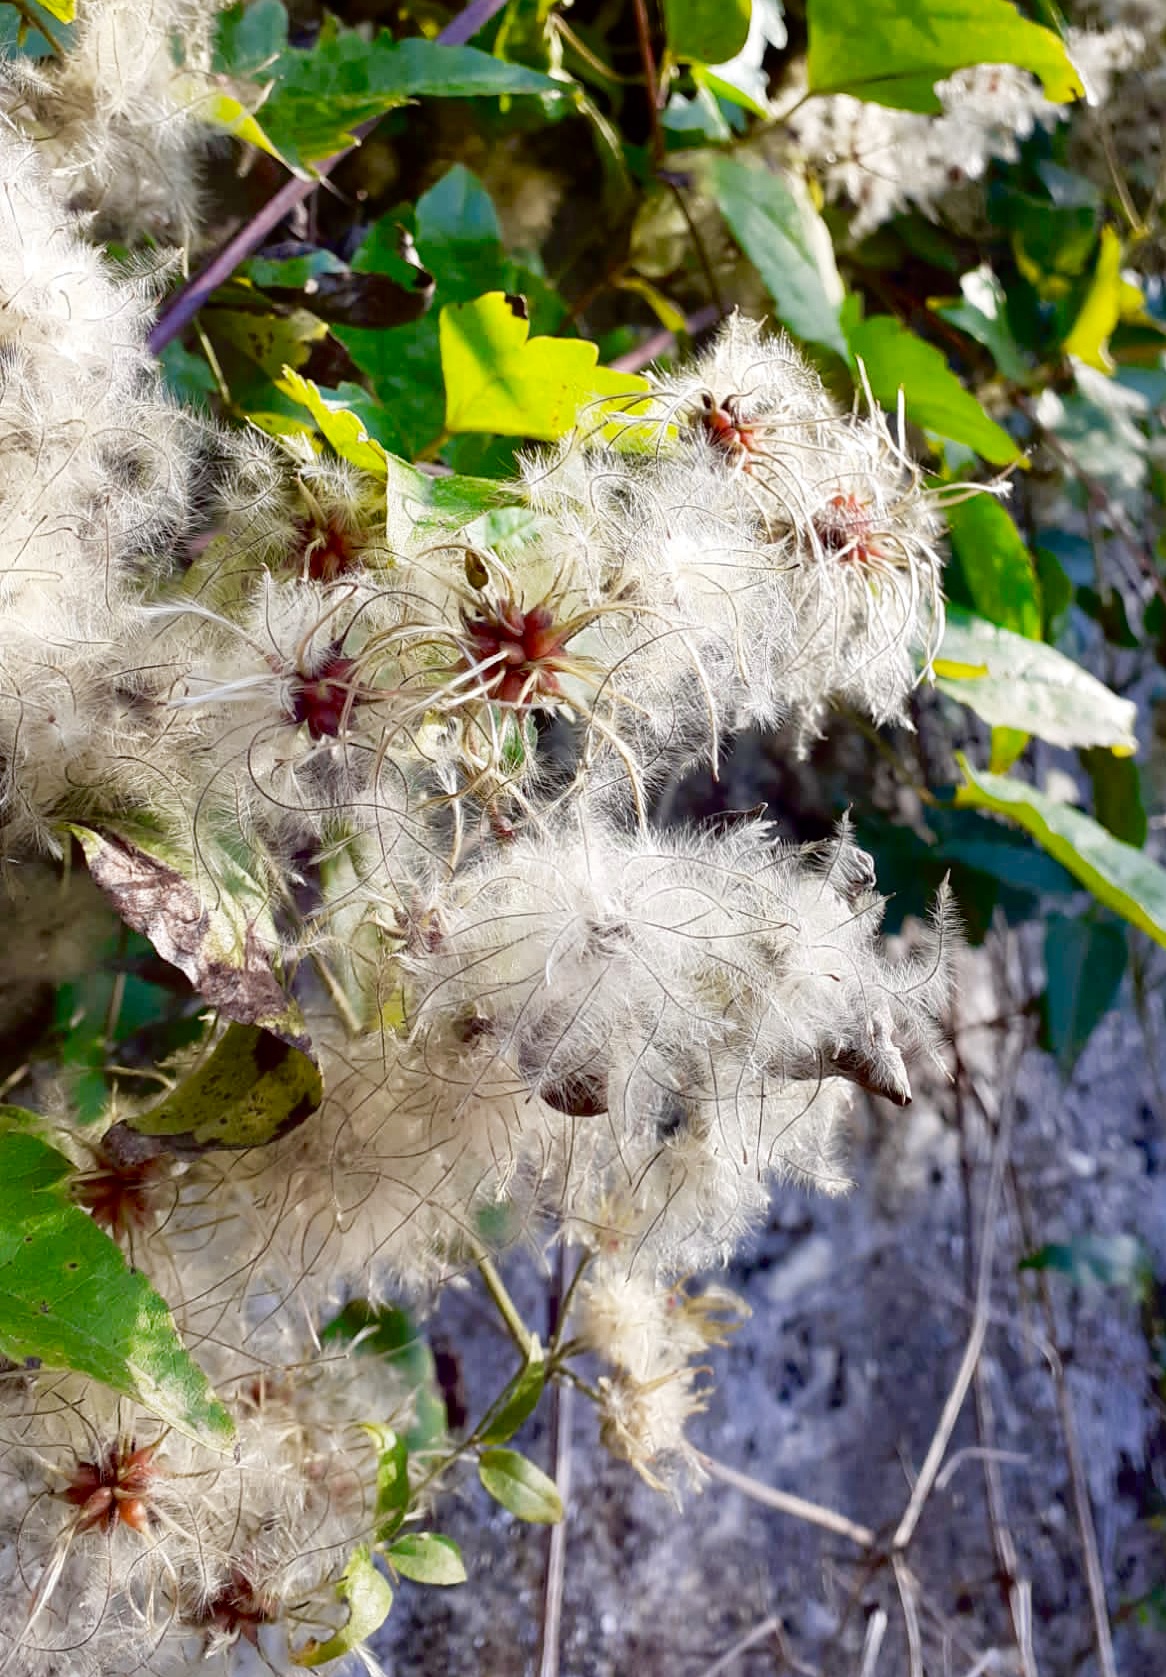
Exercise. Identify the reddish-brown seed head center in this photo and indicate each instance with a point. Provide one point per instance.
(114, 1490)
(325, 700)
(239, 1608)
(516, 652)
(726, 431)
(328, 551)
(124, 1198)
(843, 527)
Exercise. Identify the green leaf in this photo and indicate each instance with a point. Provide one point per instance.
(996, 565)
(523, 1489)
(1120, 877)
(1109, 297)
(428, 1558)
(706, 31)
(1118, 1260)
(323, 94)
(250, 35)
(518, 1402)
(781, 233)
(935, 399)
(1016, 683)
(982, 314)
(211, 919)
(499, 379)
(1117, 795)
(369, 1596)
(893, 51)
(69, 1297)
(339, 427)
(1085, 961)
(460, 242)
(387, 1331)
(392, 1480)
(222, 110)
(251, 1089)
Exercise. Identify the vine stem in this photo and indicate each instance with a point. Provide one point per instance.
(187, 301)
(505, 1305)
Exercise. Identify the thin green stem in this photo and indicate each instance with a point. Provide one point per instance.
(35, 20)
(505, 1305)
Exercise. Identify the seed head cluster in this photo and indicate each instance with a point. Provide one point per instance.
(430, 744)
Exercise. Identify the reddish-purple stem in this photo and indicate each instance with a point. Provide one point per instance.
(661, 342)
(187, 301)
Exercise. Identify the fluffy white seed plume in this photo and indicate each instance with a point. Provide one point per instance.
(118, 120)
(769, 554)
(695, 1012)
(649, 1333)
(95, 487)
(130, 1549)
(883, 162)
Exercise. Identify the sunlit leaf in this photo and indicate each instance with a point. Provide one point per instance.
(1022, 684)
(1108, 299)
(339, 427)
(777, 227)
(935, 399)
(392, 1502)
(893, 51)
(428, 1558)
(250, 1089)
(499, 379)
(1120, 877)
(69, 1297)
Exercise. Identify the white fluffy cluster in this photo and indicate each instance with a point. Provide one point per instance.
(93, 492)
(883, 162)
(127, 1548)
(534, 1015)
(120, 119)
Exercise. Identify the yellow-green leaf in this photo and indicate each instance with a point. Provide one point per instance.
(369, 1597)
(520, 1486)
(428, 1558)
(1109, 299)
(1120, 877)
(63, 10)
(894, 51)
(340, 428)
(499, 379)
(250, 1090)
(220, 109)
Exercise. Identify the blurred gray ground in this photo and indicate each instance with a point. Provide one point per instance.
(833, 1389)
